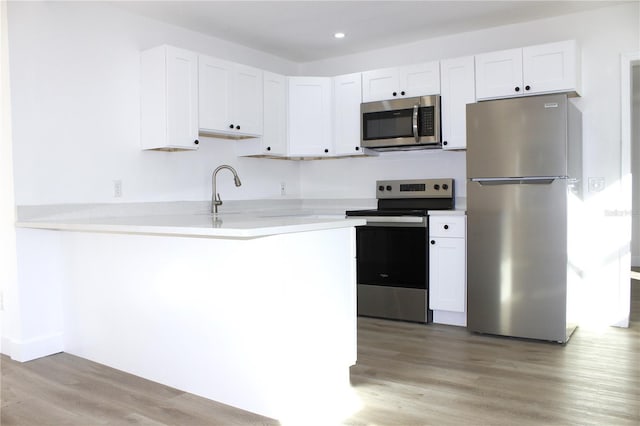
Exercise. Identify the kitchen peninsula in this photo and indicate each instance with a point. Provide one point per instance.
(234, 307)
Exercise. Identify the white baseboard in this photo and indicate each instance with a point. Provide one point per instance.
(450, 318)
(28, 350)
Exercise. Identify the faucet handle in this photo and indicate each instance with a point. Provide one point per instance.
(218, 200)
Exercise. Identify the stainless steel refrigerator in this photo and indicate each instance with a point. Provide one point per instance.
(524, 180)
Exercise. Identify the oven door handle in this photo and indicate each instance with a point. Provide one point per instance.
(385, 221)
(415, 123)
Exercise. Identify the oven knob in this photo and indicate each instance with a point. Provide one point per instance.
(445, 186)
(436, 187)
(388, 187)
(381, 188)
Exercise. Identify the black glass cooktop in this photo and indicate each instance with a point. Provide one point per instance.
(388, 212)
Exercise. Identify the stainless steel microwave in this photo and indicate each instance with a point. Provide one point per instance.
(401, 124)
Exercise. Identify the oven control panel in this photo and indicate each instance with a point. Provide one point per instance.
(415, 188)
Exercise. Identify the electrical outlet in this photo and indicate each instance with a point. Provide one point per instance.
(596, 184)
(283, 188)
(117, 188)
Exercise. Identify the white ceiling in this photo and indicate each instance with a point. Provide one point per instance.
(302, 31)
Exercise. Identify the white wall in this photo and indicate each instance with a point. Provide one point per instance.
(75, 87)
(635, 165)
(8, 265)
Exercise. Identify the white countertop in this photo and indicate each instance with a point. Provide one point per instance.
(240, 219)
(179, 221)
(456, 212)
(230, 225)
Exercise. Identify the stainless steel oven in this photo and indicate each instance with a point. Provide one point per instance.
(392, 249)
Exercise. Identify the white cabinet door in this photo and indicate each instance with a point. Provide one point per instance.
(230, 98)
(309, 117)
(274, 136)
(545, 68)
(380, 84)
(447, 263)
(273, 142)
(347, 95)
(169, 99)
(401, 82)
(215, 78)
(447, 274)
(499, 74)
(550, 67)
(420, 80)
(457, 90)
(247, 100)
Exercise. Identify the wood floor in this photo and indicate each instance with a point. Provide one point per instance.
(407, 374)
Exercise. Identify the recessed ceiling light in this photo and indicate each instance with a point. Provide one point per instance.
(339, 35)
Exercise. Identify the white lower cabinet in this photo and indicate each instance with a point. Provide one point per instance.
(447, 269)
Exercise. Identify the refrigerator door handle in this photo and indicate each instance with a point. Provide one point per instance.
(537, 180)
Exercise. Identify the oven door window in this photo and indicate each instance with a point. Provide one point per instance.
(392, 256)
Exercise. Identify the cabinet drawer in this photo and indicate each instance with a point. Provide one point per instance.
(447, 226)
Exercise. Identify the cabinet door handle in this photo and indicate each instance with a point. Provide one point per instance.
(433, 242)
(238, 127)
(517, 89)
(415, 123)
(231, 126)
(326, 151)
(527, 87)
(357, 148)
(446, 227)
(268, 148)
(196, 142)
(445, 143)
(395, 94)
(402, 93)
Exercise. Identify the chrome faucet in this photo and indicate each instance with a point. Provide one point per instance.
(215, 197)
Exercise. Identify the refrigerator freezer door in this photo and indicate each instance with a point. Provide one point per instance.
(517, 259)
(517, 137)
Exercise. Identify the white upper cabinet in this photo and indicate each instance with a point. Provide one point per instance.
(169, 99)
(457, 90)
(230, 98)
(273, 142)
(309, 117)
(274, 139)
(401, 82)
(552, 67)
(347, 96)
(546, 68)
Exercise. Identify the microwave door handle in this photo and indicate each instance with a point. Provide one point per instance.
(415, 123)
